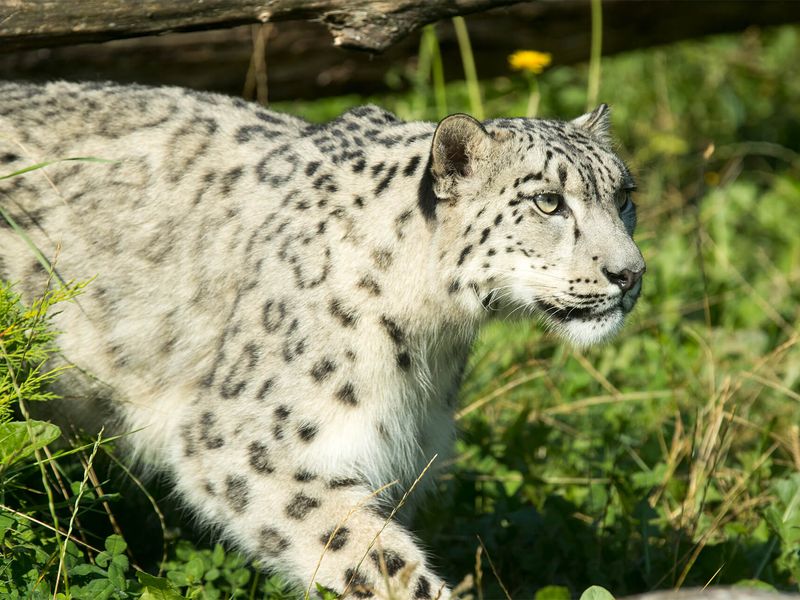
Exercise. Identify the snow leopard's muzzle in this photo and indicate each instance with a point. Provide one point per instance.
(588, 316)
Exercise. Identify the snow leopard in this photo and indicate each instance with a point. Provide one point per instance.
(280, 311)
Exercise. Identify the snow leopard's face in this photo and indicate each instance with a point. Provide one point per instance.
(541, 216)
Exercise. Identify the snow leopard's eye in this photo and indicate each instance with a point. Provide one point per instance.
(626, 205)
(626, 209)
(549, 203)
(623, 200)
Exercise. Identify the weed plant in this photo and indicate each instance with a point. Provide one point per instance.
(667, 458)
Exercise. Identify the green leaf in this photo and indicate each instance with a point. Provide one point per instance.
(20, 438)
(211, 593)
(596, 592)
(184, 550)
(116, 575)
(102, 559)
(552, 592)
(178, 578)
(326, 593)
(86, 569)
(120, 561)
(240, 577)
(157, 588)
(98, 589)
(194, 569)
(115, 544)
(6, 522)
(218, 555)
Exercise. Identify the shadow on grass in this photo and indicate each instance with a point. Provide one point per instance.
(559, 545)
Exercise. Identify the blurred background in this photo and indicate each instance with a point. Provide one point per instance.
(667, 458)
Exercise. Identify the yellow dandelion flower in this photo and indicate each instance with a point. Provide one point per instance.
(712, 178)
(530, 61)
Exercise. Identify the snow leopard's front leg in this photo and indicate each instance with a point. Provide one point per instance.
(308, 527)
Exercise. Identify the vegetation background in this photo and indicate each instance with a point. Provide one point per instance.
(669, 458)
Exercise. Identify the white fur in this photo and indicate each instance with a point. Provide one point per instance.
(265, 309)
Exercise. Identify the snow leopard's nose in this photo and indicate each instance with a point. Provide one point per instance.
(625, 279)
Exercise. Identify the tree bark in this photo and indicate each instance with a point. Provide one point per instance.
(372, 25)
(301, 63)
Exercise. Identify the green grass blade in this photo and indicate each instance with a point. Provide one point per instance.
(437, 71)
(595, 57)
(470, 73)
(52, 162)
(34, 248)
(20, 231)
(420, 77)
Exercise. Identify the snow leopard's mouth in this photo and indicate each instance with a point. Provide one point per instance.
(566, 314)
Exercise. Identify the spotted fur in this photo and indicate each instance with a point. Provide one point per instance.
(282, 310)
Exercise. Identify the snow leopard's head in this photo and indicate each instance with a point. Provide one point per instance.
(538, 218)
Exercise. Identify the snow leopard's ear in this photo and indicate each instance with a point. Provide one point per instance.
(597, 123)
(459, 141)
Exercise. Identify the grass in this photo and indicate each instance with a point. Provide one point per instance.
(667, 458)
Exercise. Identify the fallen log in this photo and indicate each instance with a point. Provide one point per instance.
(362, 24)
(302, 63)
